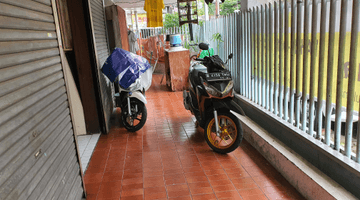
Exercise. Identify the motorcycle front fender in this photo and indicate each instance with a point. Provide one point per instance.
(138, 95)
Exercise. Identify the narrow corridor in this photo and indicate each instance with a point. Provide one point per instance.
(169, 159)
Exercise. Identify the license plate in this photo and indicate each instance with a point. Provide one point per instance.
(218, 76)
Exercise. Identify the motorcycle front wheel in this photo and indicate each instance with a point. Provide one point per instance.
(137, 119)
(230, 136)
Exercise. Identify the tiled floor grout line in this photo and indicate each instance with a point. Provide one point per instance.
(142, 160)
(107, 158)
(122, 177)
(162, 165)
(230, 178)
(252, 178)
(183, 167)
(203, 168)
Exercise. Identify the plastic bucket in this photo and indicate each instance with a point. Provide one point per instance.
(175, 40)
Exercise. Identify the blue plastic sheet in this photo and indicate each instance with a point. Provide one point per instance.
(125, 65)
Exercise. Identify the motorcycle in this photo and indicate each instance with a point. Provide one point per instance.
(210, 99)
(133, 75)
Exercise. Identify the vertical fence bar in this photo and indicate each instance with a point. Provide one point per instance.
(298, 62)
(253, 68)
(242, 47)
(235, 49)
(305, 64)
(245, 68)
(232, 41)
(321, 70)
(286, 59)
(352, 73)
(281, 61)
(258, 55)
(239, 53)
(358, 130)
(314, 24)
(255, 55)
(340, 71)
(226, 25)
(276, 50)
(220, 28)
(330, 70)
(248, 52)
(263, 104)
(225, 36)
(271, 52)
(227, 44)
(267, 33)
(292, 61)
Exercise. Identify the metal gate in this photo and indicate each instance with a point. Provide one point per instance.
(38, 158)
(102, 52)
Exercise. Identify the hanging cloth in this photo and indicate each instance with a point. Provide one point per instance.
(153, 10)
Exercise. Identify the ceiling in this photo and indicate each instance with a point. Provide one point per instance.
(137, 5)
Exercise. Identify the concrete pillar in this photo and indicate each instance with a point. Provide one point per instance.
(246, 4)
(136, 21)
(132, 22)
(217, 9)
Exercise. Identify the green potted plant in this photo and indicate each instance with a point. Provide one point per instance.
(217, 38)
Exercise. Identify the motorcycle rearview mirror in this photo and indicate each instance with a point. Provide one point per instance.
(229, 57)
(203, 46)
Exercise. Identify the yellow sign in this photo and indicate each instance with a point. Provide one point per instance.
(142, 20)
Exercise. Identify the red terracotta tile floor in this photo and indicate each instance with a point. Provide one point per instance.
(169, 159)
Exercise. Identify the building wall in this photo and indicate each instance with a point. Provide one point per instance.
(123, 28)
(249, 4)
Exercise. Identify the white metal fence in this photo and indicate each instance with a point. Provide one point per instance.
(295, 56)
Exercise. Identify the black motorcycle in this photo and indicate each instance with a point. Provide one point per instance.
(210, 98)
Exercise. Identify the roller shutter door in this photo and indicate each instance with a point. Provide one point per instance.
(38, 158)
(102, 52)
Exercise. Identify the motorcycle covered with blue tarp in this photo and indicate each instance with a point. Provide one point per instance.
(133, 75)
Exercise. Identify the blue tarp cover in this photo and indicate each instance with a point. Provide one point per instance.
(128, 66)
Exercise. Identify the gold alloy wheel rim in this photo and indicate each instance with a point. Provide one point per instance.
(228, 131)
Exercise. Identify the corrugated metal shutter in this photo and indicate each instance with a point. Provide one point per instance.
(38, 158)
(102, 52)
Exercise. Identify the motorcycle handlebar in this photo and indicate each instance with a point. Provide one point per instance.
(199, 59)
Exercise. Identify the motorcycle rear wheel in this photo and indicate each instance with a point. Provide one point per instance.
(231, 133)
(138, 115)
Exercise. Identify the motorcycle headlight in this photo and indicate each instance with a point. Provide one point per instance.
(217, 93)
(211, 90)
(229, 88)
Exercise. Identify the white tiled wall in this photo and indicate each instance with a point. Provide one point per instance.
(87, 144)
